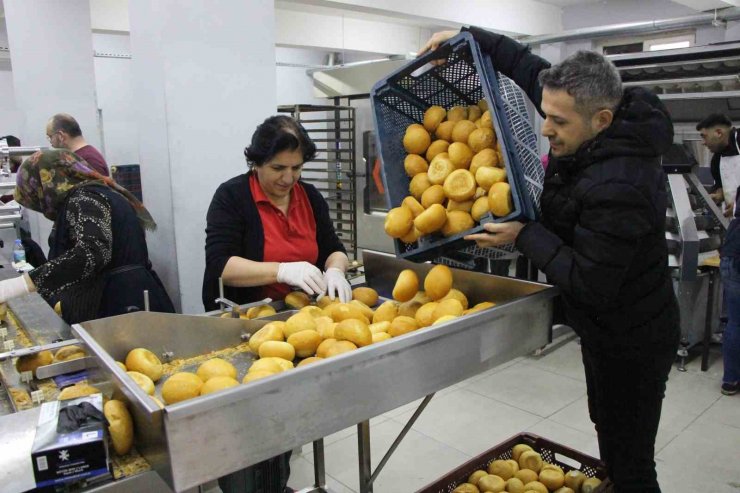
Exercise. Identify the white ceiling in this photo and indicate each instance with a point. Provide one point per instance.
(568, 3)
(698, 5)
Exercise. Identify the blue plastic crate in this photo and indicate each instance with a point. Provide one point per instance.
(465, 78)
(129, 177)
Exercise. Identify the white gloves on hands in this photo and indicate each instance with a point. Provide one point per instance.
(12, 288)
(302, 275)
(337, 285)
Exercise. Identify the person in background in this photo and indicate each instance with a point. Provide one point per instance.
(729, 268)
(15, 161)
(720, 137)
(98, 260)
(601, 240)
(269, 232)
(64, 132)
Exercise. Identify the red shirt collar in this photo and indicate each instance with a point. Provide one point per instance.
(259, 195)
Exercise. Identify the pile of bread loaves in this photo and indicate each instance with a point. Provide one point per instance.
(457, 178)
(526, 472)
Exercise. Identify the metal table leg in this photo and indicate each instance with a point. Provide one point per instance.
(319, 472)
(708, 321)
(363, 441)
(363, 452)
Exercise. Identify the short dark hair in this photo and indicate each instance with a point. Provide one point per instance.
(591, 79)
(714, 120)
(11, 140)
(277, 134)
(65, 123)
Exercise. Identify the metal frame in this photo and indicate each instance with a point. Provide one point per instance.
(689, 238)
(335, 143)
(708, 203)
(10, 216)
(185, 442)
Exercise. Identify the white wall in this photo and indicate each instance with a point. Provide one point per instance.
(207, 75)
(12, 119)
(294, 85)
(115, 99)
(601, 13)
(109, 15)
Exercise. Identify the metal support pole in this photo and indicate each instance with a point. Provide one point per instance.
(146, 300)
(708, 321)
(221, 291)
(367, 475)
(400, 437)
(319, 472)
(363, 452)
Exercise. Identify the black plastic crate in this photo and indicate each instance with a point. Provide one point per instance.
(129, 177)
(554, 453)
(465, 78)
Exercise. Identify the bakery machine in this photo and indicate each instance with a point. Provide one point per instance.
(692, 83)
(10, 215)
(694, 230)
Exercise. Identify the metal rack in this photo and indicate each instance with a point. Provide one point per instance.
(332, 129)
(692, 82)
(10, 215)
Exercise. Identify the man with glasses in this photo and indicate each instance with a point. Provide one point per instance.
(64, 132)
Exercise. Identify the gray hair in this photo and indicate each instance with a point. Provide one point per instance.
(591, 79)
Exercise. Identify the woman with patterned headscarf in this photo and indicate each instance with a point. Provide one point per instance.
(98, 260)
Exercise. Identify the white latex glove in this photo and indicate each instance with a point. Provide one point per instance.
(302, 275)
(337, 285)
(11, 288)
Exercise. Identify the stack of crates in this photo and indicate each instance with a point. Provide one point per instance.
(129, 177)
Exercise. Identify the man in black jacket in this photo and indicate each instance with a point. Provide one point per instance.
(601, 240)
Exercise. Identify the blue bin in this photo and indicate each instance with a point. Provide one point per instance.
(466, 77)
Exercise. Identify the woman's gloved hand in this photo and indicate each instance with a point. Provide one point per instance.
(302, 275)
(337, 285)
(12, 288)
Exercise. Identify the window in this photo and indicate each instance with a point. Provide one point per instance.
(669, 43)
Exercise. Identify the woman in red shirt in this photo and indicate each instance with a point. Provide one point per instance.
(268, 232)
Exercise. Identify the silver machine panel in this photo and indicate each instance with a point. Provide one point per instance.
(195, 441)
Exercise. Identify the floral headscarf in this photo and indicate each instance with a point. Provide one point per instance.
(46, 178)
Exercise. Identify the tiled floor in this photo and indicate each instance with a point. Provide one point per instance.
(698, 444)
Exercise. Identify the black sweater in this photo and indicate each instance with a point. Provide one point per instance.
(98, 259)
(234, 229)
(601, 238)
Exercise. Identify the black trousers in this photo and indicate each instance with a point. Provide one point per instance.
(625, 395)
(270, 476)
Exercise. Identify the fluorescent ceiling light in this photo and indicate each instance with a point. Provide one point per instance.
(670, 46)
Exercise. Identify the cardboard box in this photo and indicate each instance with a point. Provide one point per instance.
(62, 457)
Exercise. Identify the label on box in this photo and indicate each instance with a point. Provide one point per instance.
(61, 457)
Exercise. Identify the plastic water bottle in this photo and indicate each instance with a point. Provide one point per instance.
(19, 253)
